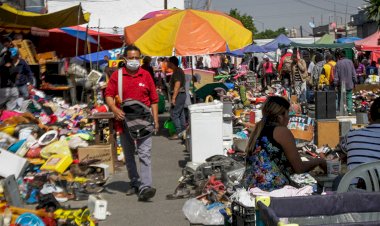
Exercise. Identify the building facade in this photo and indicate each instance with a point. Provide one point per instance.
(36, 6)
(365, 27)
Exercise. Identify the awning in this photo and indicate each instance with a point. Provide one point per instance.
(321, 46)
(11, 18)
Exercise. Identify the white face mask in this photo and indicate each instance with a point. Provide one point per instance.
(133, 65)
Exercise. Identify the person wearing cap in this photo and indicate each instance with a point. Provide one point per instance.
(24, 73)
(8, 90)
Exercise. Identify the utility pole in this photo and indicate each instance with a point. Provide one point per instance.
(165, 4)
(301, 33)
(321, 19)
(208, 4)
(334, 12)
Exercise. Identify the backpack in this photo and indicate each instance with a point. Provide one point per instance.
(332, 73)
(287, 65)
(138, 117)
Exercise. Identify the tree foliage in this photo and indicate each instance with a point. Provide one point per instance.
(373, 10)
(245, 19)
(248, 23)
(268, 33)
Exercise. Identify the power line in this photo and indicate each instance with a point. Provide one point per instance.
(354, 7)
(318, 7)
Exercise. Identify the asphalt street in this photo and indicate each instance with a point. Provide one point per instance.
(168, 158)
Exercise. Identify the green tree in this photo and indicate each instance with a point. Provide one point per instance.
(245, 19)
(268, 33)
(373, 10)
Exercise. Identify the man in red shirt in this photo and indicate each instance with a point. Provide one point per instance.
(138, 85)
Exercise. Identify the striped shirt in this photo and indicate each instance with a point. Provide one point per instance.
(362, 145)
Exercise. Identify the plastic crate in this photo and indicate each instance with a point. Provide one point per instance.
(242, 215)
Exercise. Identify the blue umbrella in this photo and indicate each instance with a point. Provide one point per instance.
(80, 34)
(99, 56)
(348, 39)
(254, 49)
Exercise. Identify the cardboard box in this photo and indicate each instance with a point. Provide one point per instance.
(101, 152)
(327, 133)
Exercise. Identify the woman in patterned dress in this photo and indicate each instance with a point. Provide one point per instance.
(272, 155)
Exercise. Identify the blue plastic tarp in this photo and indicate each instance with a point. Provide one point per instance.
(237, 53)
(80, 34)
(99, 56)
(348, 39)
(254, 49)
(273, 45)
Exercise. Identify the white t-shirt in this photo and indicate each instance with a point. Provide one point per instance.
(310, 68)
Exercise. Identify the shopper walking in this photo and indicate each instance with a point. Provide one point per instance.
(267, 72)
(178, 100)
(299, 77)
(345, 73)
(360, 71)
(8, 90)
(137, 84)
(24, 73)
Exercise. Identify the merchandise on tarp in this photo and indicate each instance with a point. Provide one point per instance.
(370, 43)
(11, 18)
(274, 45)
(194, 32)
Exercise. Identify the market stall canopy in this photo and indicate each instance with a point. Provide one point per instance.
(254, 49)
(99, 56)
(273, 45)
(348, 39)
(370, 43)
(157, 13)
(65, 44)
(82, 35)
(188, 32)
(237, 53)
(11, 18)
(321, 46)
(326, 39)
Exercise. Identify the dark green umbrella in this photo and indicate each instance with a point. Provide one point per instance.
(209, 89)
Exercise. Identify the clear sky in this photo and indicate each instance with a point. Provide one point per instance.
(273, 14)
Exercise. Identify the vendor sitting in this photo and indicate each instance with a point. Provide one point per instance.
(272, 154)
(363, 145)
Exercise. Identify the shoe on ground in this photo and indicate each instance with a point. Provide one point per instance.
(174, 137)
(50, 188)
(131, 191)
(180, 193)
(146, 193)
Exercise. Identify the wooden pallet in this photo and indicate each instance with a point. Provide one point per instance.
(26, 50)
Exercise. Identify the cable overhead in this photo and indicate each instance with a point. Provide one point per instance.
(318, 7)
(354, 7)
